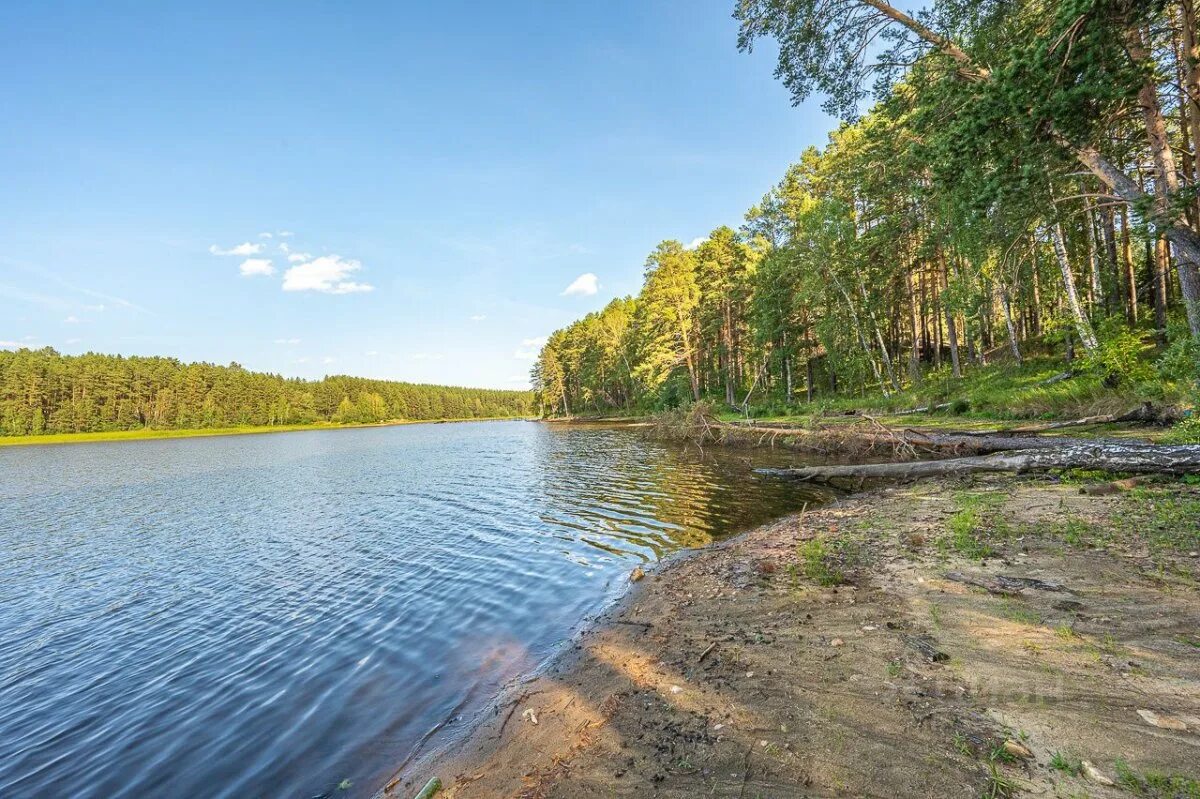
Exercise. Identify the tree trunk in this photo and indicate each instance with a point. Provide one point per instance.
(1160, 264)
(1127, 263)
(1089, 227)
(1116, 457)
(1191, 83)
(1108, 233)
(1008, 321)
(1082, 326)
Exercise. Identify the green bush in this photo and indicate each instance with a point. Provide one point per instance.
(1119, 357)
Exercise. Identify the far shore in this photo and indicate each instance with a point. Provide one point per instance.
(149, 433)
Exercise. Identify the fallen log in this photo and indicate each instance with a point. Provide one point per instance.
(1110, 456)
(1146, 413)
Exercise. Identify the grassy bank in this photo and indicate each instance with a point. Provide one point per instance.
(151, 433)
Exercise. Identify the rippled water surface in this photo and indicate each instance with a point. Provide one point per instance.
(275, 615)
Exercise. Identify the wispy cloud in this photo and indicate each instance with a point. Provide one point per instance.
(10, 345)
(72, 320)
(696, 242)
(243, 249)
(328, 274)
(288, 341)
(529, 349)
(584, 285)
(285, 234)
(265, 236)
(478, 317)
(299, 257)
(256, 266)
(328, 359)
(58, 302)
(426, 356)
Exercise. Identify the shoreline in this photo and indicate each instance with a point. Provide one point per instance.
(153, 434)
(864, 665)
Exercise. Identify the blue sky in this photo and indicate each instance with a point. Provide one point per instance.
(432, 176)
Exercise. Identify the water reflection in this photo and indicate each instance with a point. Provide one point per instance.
(275, 615)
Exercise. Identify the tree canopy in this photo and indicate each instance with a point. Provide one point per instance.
(1026, 177)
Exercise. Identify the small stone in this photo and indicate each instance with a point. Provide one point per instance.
(1017, 749)
(836, 642)
(869, 628)
(718, 726)
(1094, 774)
(1161, 720)
(762, 744)
(636, 575)
(675, 689)
(529, 715)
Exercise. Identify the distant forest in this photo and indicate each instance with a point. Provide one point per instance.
(42, 391)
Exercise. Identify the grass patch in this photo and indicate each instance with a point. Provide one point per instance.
(1014, 611)
(974, 524)
(826, 562)
(1156, 786)
(1066, 764)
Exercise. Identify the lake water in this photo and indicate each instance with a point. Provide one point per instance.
(273, 615)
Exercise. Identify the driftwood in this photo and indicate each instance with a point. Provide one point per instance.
(1111, 456)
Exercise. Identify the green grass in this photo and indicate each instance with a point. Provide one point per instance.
(824, 562)
(1156, 786)
(975, 522)
(1000, 391)
(1066, 764)
(152, 433)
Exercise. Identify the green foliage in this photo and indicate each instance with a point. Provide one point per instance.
(1155, 785)
(43, 392)
(943, 247)
(1120, 357)
(825, 562)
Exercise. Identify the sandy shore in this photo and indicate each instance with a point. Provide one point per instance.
(887, 660)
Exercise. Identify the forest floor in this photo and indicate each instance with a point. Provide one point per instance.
(155, 433)
(993, 636)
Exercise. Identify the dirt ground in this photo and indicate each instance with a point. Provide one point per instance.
(992, 637)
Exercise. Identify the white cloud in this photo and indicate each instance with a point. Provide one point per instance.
(327, 274)
(284, 248)
(586, 284)
(243, 249)
(284, 234)
(696, 242)
(72, 320)
(289, 341)
(328, 359)
(529, 349)
(10, 345)
(478, 317)
(264, 235)
(299, 257)
(426, 356)
(74, 340)
(372, 353)
(256, 266)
